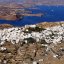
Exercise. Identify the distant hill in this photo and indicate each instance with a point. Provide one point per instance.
(9, 11)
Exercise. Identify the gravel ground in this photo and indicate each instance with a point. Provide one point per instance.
(32, 53)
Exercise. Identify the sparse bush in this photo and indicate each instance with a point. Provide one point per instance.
(30, 40)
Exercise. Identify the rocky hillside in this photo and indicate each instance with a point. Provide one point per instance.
(32, 44)
(50, 24)
(5, 26)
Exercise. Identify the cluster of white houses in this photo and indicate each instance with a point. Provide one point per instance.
(16, 34)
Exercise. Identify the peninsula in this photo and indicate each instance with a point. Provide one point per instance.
(14, 11)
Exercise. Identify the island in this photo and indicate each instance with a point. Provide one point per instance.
(15, 12)
(9, 12)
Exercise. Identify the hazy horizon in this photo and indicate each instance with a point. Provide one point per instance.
(49, 2)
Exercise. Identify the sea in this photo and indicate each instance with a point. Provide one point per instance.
(50, 14)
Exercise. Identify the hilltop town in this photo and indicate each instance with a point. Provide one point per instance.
(32, 44)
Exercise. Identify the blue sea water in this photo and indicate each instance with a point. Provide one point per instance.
(51, 14)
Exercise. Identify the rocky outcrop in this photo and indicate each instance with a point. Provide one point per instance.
(5, 26)
(50, 24)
